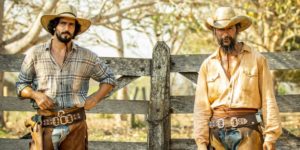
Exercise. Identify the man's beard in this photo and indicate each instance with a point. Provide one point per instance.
(227, 48)
(64, 39)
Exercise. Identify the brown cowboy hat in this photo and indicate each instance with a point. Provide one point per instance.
(66, 11)
(225, 17)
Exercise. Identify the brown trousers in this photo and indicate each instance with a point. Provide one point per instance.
(77, 139)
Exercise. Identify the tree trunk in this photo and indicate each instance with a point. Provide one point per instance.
(2, 122)
(122, 94)
(33, 35)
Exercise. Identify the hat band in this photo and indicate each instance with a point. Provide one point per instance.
(68, 13)
(221, 20)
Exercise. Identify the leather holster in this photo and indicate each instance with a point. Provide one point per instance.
(36, 130)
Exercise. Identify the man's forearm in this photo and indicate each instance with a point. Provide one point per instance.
(103, 90)
(28, 92)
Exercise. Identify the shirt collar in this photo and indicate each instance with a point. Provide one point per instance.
(48, 45)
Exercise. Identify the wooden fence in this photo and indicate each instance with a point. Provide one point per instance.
(161, 104)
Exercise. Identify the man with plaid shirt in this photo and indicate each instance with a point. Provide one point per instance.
(55, 76)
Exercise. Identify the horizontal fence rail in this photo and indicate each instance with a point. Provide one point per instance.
(276, 61)
(120, 66)
(179, 63)
(179, 104)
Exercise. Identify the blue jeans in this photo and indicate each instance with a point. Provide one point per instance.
(59, 133)
(71, 137)
(236, 139)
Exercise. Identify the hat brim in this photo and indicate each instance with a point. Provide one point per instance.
(84, 23)
(244, 21)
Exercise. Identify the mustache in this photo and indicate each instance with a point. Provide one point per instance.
(232, 41)
(66, 32)
(227, 38)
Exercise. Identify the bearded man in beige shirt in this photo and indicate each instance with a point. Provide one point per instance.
(234, 86)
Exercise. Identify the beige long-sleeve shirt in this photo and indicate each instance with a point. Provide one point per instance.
(250, 86)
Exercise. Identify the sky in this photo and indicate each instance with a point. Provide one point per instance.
(142, 46)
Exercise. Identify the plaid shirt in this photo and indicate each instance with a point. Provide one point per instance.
(67, 85)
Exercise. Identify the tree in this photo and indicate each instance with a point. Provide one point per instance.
(275, 23)
(23, 41)
(2, 122)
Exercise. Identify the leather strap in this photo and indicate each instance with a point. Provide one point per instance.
(234, 122)
(63, 118)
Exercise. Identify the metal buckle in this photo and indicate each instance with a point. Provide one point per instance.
(220, 123)
(55, 121)
(60, 113)
(65, 119)
(71, 118)
(234, 122)
(242, 121)
(62, 120)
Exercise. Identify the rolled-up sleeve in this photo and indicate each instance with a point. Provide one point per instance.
(102, 73)
(271, 118)
(26, 75)
(202, 109)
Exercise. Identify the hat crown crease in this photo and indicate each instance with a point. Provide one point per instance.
(225, 17)
(66, 9)
(67, 13)
(224, 13)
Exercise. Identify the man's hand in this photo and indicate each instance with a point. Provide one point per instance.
(269, 145)
(90, 102)
(96, 97)
(43, 101)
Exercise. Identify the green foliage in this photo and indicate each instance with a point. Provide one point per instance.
(281, 90)
(3, 133)
(138, 123)
(292, 44)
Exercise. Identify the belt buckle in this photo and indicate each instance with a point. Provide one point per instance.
(60, 113)
(234, 122)
(65, 119)
(55, 121)
(220, 123)
(62, 120)
(242, 121)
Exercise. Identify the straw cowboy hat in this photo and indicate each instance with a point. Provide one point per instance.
(225, 17)
(66, 11)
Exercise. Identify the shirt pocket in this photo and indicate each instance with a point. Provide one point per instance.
(213, 85)
(250, 81)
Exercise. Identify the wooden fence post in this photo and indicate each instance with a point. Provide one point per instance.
(159, 107)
